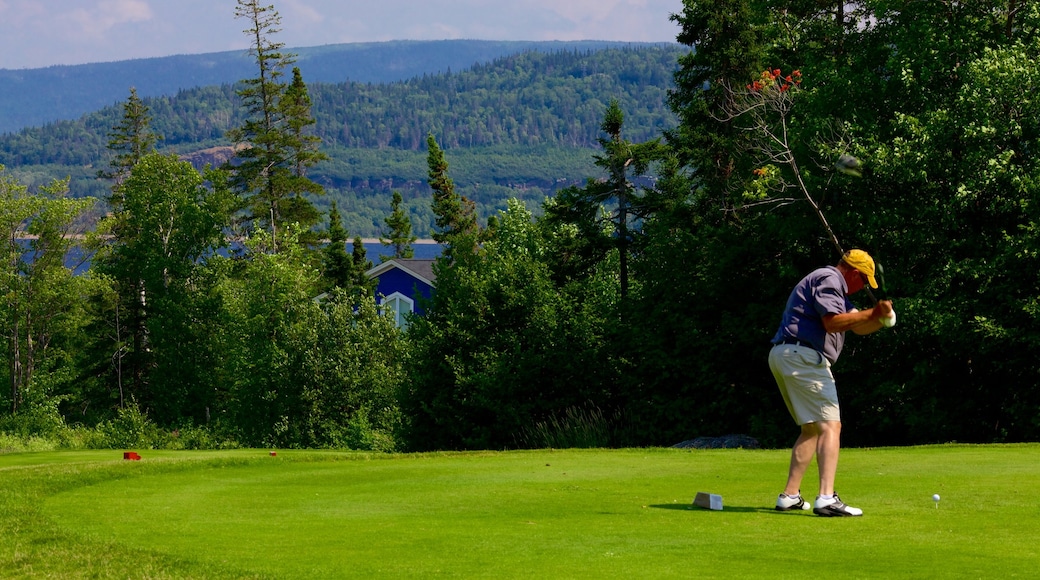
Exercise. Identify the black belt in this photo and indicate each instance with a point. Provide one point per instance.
(797, 342)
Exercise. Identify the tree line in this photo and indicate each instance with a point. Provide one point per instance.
(626, 310)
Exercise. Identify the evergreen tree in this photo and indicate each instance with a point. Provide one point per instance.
(621, 156)
(360, 265)
(271, 172)
(604, 213)
(133, 139)
(302, 148)
(338, 266)
(399, 230)
(455, 216)
(728, 49)
(130, 140)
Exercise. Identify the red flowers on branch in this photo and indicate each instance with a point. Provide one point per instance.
(774, 78)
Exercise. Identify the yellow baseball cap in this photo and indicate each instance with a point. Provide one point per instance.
(861, 261)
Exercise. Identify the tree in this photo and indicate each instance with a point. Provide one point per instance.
(295, 105)
(302, 148)
(351, 375)
(359, 265)
(398, 234)
(707, 269)
(922, 95)
(130, 140)
(456, 218)
(341, 270)
(169, 222)
(271, 170)
(619, 157)
(337, 265)
(605, 228)
(41, 298)
(271, 317)
(501, 347)
(728, 45)
(951, 163)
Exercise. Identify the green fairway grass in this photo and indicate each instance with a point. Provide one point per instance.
(520, 514)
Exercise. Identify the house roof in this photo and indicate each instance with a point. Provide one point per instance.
(420, 269)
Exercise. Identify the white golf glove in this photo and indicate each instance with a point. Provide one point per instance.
(888, 321)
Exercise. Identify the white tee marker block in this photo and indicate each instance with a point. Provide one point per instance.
(708, 501)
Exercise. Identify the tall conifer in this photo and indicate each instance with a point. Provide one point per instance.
(455, 216)
(271, 169)
(399, 229)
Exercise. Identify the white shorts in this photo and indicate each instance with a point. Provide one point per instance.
(806, 383)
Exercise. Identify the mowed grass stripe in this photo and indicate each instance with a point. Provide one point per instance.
(578, 514)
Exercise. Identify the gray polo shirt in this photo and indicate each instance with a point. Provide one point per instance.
(821, 292)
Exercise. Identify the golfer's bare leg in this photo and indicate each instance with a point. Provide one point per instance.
(828, 445)
(801, 456)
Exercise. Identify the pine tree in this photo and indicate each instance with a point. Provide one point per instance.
(303, 152)
(399, 230)
(130, 140)
(303, 147)
(361, 265)
(455, 216)
(271, 170)
(621, 156)
(584, 209)
(729, 48)
(338, 266)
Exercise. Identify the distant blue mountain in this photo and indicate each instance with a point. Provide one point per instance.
(36, 97)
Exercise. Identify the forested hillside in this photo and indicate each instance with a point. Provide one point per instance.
(35, 97)
(523, 126)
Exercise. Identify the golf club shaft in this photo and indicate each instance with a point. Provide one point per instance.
(823, 219)
(830, 232)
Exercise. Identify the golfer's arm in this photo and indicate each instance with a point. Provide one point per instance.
(868, 327)
(858, 321)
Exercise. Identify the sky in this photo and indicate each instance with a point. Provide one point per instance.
(40, 33)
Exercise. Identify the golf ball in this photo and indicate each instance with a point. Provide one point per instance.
(935, 497)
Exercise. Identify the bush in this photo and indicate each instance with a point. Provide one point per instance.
(41, 420)
(357, 433)
(41, 428)
(131, 429)
(195, 437)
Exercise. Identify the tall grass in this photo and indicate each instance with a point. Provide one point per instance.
(577, 428)
(129, 429)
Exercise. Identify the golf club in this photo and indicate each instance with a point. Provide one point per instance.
(849, 165)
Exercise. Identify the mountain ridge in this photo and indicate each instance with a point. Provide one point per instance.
(39, 96)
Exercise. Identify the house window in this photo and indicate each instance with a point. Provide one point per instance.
(397, 305)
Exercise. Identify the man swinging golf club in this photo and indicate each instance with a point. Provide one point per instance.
(808, 342)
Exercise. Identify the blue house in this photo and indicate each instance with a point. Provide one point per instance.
(400, 284)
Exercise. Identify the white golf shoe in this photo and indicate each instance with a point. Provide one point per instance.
(786, 503)
(834, 507)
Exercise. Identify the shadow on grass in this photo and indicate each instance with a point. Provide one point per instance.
(725, 508)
